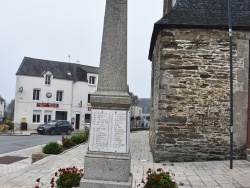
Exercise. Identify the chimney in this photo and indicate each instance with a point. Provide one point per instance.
(168, 5)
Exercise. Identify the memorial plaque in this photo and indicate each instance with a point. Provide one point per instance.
(108, 131)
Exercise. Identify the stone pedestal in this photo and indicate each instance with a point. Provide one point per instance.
(111, 170)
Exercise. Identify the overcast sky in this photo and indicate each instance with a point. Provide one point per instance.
(54, 29)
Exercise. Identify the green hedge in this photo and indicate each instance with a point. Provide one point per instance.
(78, 138)
(52, 148)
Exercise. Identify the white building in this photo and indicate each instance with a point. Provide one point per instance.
(48, 90)
(2, 104)
(135, 111)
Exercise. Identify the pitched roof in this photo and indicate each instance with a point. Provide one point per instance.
(1, 99)
(60, 70)
(203, 14)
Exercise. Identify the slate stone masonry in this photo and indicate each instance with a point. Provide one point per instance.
(190, 94)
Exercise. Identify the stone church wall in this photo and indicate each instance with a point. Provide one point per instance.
(190, 109)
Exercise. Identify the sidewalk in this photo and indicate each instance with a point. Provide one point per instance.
(29, 132)
(210, 174)
(18, 133)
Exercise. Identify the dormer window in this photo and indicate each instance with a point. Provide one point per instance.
(92, 80)
(47, 79)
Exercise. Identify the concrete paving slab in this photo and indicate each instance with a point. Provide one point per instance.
(210, 174)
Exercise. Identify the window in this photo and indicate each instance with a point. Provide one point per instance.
(59, 95)
(89, 98)
(87, 118)
(59, 123)
(36, 116)
(47, 116)
(36, 94)
(61, 115)
(47, 79)
(92, 80)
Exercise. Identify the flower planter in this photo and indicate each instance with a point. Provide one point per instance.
(38, 156)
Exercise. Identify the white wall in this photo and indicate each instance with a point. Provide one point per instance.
(135, 111)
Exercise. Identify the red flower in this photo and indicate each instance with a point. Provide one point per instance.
(56, 173)
(149, 171)
(52, 181)
(38, 180)
(174, 183)
(159, 169)
(142, 180)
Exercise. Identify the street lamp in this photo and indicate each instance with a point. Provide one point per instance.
(231, 89)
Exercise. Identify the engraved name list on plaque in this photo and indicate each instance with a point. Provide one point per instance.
(109, 131)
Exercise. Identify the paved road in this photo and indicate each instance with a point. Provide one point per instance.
(14, 143)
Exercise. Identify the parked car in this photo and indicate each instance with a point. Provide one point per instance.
(55, 127)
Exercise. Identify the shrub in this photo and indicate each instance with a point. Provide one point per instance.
(68, 177)
(67, 143)
(78, 138)
(159, 179)
(8, 122)
(52, 148)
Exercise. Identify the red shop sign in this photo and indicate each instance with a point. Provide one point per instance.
(50, 105)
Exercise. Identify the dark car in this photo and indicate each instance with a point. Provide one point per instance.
(56, 127)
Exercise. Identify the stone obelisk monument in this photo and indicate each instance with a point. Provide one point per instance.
(107, 162)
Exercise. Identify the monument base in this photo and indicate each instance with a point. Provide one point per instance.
(103, 169)
(85, 183)
(107, 166)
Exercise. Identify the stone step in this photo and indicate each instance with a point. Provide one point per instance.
(248, 157)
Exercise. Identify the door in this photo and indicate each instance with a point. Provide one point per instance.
(77, 121)
(65, 125)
